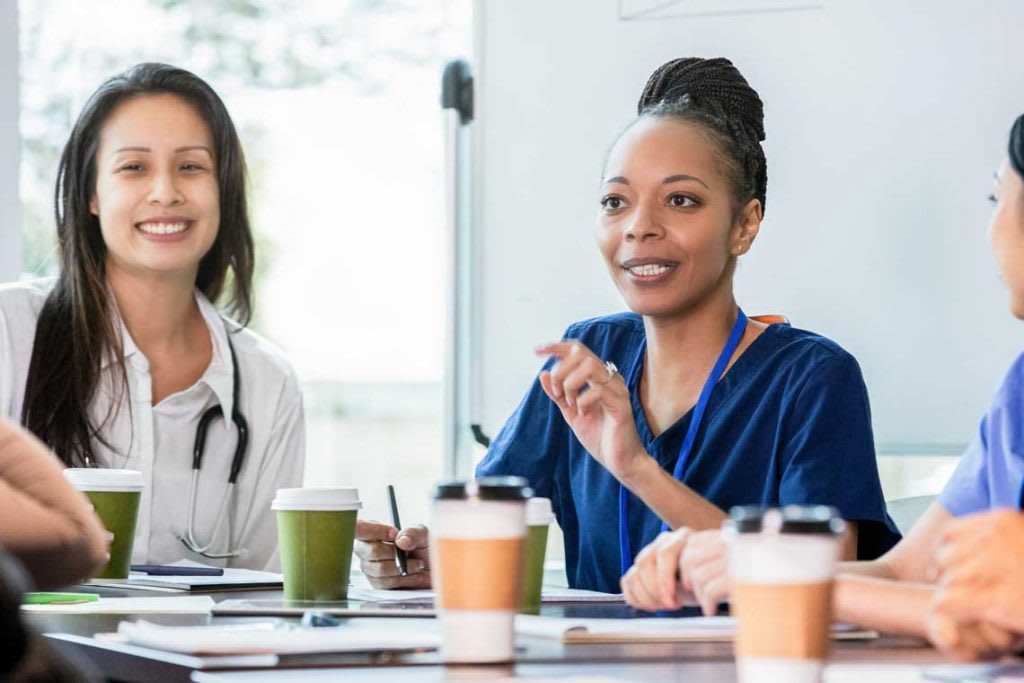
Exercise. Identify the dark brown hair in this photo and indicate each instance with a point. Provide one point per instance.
(713, 94)
(1017, 146)
(78, 326)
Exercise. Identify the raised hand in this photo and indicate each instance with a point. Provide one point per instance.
(594, 401)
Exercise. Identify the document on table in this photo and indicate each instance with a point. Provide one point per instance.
(232, 579)
(276, 638)
(859, 672)
(992, 671)
(360, 589)
(655, 629)
(188, 604)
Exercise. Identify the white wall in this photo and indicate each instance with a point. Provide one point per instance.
(885, 122)
(10, 145)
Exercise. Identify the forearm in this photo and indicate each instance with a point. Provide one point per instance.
(670, 499)
(48, 525)
(877, 569)
(887, 606)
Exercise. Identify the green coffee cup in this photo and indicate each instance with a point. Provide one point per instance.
(315, 529)
(538, 518)
(115, 495)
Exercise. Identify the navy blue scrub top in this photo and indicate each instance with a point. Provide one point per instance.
(788, 424)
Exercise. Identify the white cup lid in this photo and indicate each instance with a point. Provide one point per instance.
(538, 512)
(95, 479)
(317, 499)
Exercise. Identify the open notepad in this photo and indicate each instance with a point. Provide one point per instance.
(653, 630)
(274, 638)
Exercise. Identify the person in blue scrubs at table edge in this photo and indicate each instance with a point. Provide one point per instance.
(957, 577)
(633, 425)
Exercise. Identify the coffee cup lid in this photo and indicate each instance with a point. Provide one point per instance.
(538, 512)
(791, 519)
(317, 499)
(99, 479)
(485, 488)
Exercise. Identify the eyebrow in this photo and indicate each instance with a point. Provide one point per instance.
(671, 179)
(179, 150)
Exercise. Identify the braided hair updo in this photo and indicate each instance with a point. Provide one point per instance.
(712, 93)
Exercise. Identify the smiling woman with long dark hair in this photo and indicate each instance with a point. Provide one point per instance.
(120, 361)
(666, 416)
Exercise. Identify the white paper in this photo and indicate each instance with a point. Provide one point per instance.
(230, 576)
(271, 638)
(876, 673)
(654, 628)
(641, 629)
(360, 589)
(559, 594)
(189, 604)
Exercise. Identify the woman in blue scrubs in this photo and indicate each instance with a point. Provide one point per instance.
(612, 429)
(676, 411)
(957, 576)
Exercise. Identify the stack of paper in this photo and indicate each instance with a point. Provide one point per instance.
(191, 604)
(656, 629)
(276, 638)
(361, 590)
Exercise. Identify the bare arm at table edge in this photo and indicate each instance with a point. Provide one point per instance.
(908, 560)
(884, 605)
(44, 522)
(893, 593)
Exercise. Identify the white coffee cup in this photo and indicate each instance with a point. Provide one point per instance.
(782, 563)
(477, 541)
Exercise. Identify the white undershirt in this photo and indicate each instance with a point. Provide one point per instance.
(158, 440)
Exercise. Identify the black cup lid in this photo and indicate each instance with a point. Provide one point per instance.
(485, 488)
(791, 519)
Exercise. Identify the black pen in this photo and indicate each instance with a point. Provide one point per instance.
(403, 567)
(176, 570)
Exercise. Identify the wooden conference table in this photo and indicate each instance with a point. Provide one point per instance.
(537, 658)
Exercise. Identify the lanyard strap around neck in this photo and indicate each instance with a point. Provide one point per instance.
(740, 326)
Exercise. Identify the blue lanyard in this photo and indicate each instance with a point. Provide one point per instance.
(625, 549)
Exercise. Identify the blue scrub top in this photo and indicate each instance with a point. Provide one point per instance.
(990, 472)
(788, 424)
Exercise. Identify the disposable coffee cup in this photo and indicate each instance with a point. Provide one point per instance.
(538, 519)
(478, 539)
(315, 530)
(115, 496)
(782, 563)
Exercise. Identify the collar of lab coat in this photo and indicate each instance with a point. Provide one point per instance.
(219, 375)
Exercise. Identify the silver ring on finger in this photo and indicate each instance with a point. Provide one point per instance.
(612, 371)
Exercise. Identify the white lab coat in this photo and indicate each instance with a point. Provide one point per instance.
(158, 440)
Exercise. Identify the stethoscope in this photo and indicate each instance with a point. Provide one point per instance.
(625, 545)
(242, 427)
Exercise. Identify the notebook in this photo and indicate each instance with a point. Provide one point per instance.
(275, 637)
(648, 630)
(232, 579)
(189, 604)
(360, 589)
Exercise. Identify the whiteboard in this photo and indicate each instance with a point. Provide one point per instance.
(885, 122)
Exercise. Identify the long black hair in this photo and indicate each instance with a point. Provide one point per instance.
(78, 326)
(713, 93)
